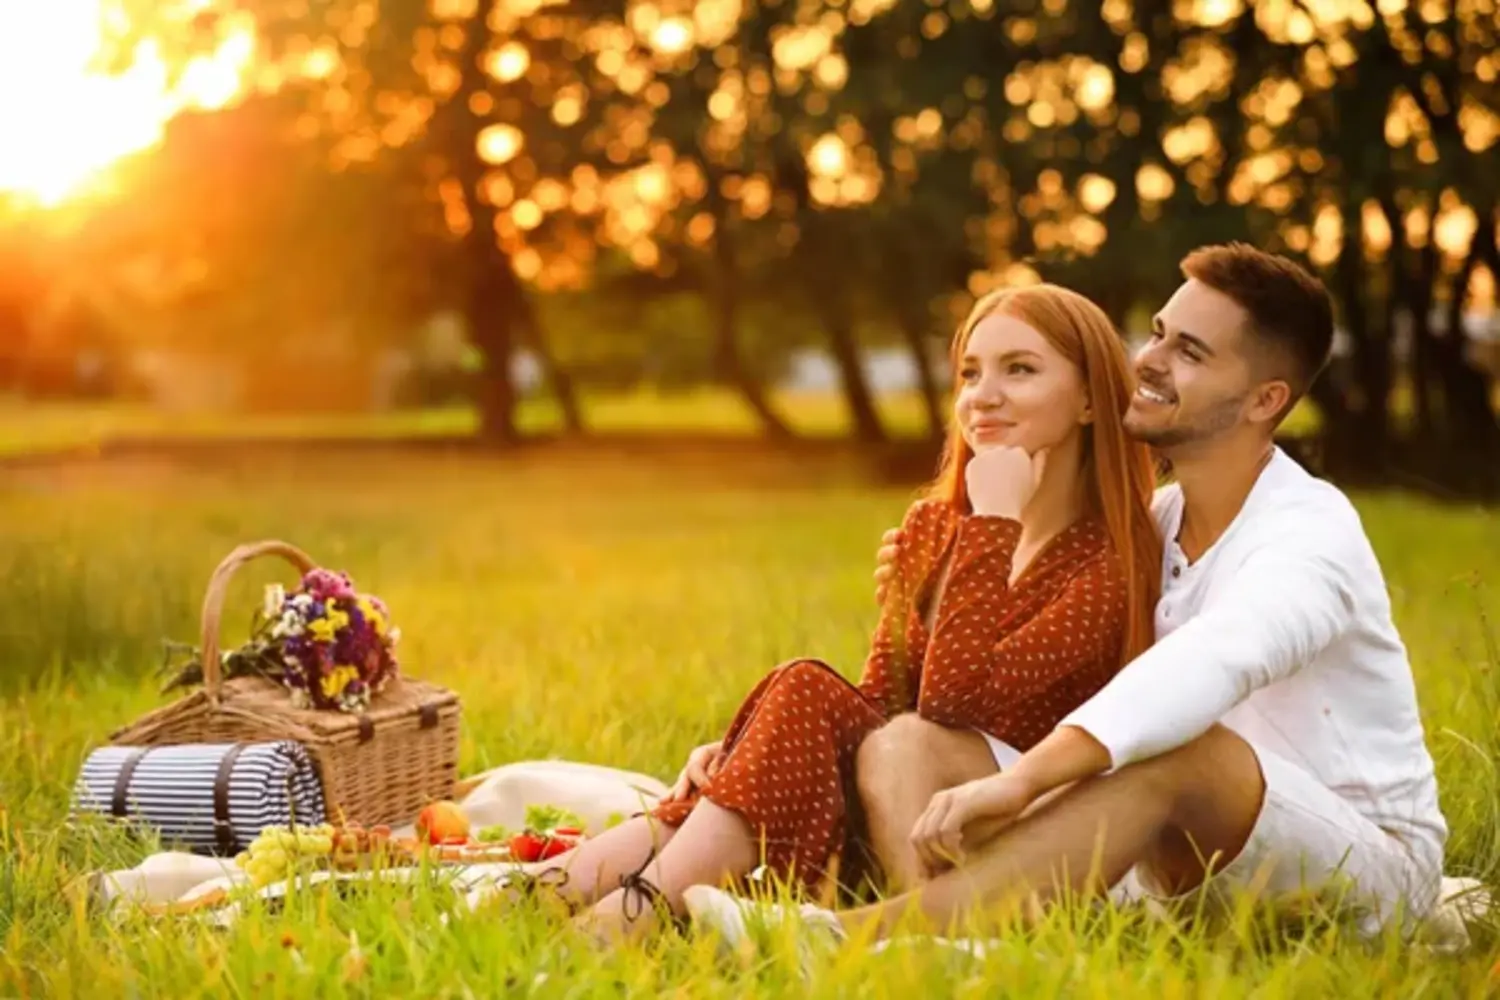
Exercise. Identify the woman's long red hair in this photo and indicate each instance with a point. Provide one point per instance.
(1119, 470)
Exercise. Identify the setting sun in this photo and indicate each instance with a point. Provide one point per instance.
(64, 120)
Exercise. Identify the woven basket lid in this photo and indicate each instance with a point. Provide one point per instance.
(399, 699)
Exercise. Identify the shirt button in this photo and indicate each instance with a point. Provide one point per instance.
(1176, 572)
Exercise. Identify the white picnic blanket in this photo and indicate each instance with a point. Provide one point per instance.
(501, 796)
(496, 797)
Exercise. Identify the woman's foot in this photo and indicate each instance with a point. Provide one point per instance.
(516, 884)
(606, 924)
(628, 913)
(742, 923)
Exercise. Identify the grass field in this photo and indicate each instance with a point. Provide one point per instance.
(592, 609)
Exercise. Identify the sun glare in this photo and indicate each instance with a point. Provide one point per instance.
(64, 121)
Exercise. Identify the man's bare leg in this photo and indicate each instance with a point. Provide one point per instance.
(899, 768)
(1174, 812)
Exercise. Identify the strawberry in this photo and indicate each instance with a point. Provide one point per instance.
(526, 847)
(554, 846)
(533, 846)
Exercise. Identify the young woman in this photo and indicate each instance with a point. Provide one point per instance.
(1025, 580)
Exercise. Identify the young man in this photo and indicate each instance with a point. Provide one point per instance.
(1271, 739)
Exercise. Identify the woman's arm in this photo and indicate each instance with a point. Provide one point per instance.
(982, 658)
(893, 669)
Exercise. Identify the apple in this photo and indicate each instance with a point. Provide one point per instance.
(443, 821)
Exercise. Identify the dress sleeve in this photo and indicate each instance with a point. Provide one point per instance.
(983, 657)
(893, 669)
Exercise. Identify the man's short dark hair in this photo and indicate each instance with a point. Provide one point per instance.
(1290, 310)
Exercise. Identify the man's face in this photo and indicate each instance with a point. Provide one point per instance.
(1196, 380)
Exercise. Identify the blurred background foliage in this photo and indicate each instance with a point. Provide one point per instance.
(336, 206)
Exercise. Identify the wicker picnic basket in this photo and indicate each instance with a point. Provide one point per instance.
(381, 766)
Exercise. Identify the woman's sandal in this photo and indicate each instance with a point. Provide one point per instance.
(640, 892)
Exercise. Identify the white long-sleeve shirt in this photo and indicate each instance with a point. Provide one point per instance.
(1282, 631)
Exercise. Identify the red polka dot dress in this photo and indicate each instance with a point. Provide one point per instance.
(971, 651)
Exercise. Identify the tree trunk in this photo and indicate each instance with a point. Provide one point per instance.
(839, 324)
(558, 376)
(1430, 421)
(915, 333)
(1357, 415)
(724, 284)
(907, 281)
(826, 268)
(1472, 429)
(489, 312)
(1404, 295)
(13, 337)
(494, 298)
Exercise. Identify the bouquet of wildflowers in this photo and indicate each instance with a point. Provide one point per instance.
(337, 646)
(330, 646)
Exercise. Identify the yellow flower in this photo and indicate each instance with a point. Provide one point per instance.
(325, 628)
(372, 615)
(335, 682)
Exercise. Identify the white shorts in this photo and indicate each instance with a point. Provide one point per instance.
(1005, 754)
(1310, 844)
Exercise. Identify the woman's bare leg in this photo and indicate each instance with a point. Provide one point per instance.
(713, 844)
(899, 768)
(594, 868)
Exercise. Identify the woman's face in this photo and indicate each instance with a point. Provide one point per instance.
(1017, 390)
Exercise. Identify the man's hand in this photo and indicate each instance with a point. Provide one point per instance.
(1065, 756)
(939, 832)
(702, 764)
(1002, 481)
(885, 562)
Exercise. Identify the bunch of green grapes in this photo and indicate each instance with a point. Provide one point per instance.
(278, 852)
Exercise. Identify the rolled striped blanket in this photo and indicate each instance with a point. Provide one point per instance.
(209, 798)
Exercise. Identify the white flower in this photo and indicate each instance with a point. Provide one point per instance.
(301, 601)
(290, 624)
(393, 636)
(275, 598)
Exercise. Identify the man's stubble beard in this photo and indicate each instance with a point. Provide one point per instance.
(1214, 421)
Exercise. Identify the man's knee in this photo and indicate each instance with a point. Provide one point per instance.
(1205, 765)
(1211, 787)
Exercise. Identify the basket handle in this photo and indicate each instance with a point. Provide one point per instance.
(213, 601)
